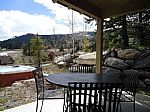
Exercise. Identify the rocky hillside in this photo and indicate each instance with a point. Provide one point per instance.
(53, 41)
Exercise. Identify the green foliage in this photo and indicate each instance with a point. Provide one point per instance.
(77, 48)
(2, 101)
(141, 35)
(127, 31)
(86, 44)
(37, 44)
(37, 48)
(93, 44)
(112, 40)
(26, 49)
(61, 49)
(44, 58)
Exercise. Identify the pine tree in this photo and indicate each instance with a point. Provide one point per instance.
(36, 48)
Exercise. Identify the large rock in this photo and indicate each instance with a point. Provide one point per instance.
(116, 63)
(79, 53)
(142, 63)
(129, 62)
(106, 54)
(61, 64)
(86, 59)
(63, 58)
(128, 53)
(107, 71)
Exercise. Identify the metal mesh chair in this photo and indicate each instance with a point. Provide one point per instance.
(92, 97)
(82, 69)
(131, 81)
(39, 79)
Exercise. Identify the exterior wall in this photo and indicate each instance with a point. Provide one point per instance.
(9, 79)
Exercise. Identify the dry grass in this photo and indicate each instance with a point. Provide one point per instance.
(24, 91)
(19, 93)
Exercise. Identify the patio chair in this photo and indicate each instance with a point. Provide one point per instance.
(42, 91)
(88, 97)
(131, 81)
(82, 68)
(39, 79)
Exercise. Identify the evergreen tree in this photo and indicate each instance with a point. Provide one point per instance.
(36, 48)
(86, 44)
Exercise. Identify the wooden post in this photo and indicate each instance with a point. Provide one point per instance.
(99, 46)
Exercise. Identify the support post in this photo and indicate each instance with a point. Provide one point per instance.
(99, 46)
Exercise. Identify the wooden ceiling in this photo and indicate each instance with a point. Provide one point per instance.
(105, 8)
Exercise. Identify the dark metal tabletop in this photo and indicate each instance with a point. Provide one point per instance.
(62, 79)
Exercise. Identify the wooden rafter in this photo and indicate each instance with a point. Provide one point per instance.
(105, 8)
(80, 6)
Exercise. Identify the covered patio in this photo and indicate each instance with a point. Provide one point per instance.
(102, 9)
(99, 10)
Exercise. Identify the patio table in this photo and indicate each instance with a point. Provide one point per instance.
(62, 79)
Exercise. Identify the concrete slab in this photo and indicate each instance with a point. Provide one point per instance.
(56, 105)
(52, 105)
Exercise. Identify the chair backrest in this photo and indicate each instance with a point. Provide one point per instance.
(93, 97)
(131, 81)
(39, 80)
(82, 69)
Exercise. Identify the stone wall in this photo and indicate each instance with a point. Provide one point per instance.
(129, 59)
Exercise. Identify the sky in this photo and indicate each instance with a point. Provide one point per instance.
(19, 17)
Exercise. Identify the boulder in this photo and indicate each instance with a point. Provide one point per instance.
(86, 59)
(142, 63)
(129, 62)
(128, 54)
(108, 71)
(58, 59)
(79, 53)
(116, 63)
(17, 84)
(62, 63)
(106, 54)
(63, 58)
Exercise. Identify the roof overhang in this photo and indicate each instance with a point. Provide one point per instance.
(105, 8)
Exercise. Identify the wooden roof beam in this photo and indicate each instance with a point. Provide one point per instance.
(82, 6)
(126, 8)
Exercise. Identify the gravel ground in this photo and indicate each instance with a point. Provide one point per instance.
(24, 91)
(19, 93)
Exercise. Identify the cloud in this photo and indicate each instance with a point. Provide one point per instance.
(14, 23)
(63, 15)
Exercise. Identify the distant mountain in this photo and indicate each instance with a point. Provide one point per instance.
(16, 42)
(56, 40)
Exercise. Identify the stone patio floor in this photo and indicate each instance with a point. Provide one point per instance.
(56, 105)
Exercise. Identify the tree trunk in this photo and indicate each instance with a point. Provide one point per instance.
(124, 32)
